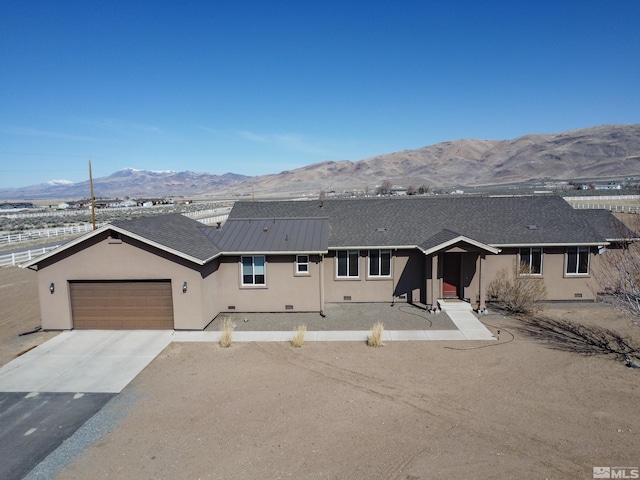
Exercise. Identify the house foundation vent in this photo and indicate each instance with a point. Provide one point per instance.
(231, 307)
(288, 307)
(577, 295)
(346, 298)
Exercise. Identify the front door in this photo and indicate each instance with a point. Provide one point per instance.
(451, 274)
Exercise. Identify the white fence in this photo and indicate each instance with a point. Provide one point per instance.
(599, 198)
(73, 211)
(20, 257)
(47, 214)
(204, 213)
(213, 220)
(53, 232)
(611, 208)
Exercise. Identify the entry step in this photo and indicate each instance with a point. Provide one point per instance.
(454, 305)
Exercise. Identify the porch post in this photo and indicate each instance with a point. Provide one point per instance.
(435, 281)
(321, 280)
(481, 283)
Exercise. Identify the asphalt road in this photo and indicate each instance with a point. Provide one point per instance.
(33, 425)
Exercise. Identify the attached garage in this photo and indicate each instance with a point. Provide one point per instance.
(132, 305)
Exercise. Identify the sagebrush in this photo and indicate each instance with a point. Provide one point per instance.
(517, 291)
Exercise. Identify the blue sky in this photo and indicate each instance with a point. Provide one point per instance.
(257, 87)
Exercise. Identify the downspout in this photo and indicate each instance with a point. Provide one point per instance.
(393, 278)
(481, 305)
(321, 286)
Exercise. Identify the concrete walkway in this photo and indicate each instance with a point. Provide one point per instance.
(468, 325)
(105, 361)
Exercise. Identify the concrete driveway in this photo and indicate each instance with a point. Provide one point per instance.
(49, 392)
(87, 361)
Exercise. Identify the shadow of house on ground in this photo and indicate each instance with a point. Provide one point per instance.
(569, 336)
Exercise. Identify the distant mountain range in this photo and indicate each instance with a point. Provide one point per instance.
(597, 152)
(129, 182)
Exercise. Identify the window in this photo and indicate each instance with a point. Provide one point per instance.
(347, 263)
(253, 270)
(379, 263)
(302, 264)
(531, 261)
(577, 260)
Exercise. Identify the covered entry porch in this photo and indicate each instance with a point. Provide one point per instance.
(454, 269)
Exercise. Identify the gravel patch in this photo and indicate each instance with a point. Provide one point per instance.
(340, 316)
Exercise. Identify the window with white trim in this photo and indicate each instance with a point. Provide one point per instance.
(347, 263)
(577, 261)
(531, 261)
(302, 264)
(253, 270)
(379, 263)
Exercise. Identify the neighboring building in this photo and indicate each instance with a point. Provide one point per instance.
(607, 186)
(170, 271)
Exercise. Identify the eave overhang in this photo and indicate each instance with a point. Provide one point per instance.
(460, 239)
(553, 244)
(121, 231)
(277, 252)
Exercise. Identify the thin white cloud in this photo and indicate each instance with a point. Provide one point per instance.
(34, 132)
(288, 141)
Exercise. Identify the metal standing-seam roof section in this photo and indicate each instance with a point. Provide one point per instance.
(271, 235)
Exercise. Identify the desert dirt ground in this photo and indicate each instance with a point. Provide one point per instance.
(19, 313)
(525, 406)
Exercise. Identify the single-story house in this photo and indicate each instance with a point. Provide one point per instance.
(169, 271)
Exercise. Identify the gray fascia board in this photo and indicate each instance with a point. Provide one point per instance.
(628, 239)
(376, 247)
(278, 252)
(566, 244)
(490, 248)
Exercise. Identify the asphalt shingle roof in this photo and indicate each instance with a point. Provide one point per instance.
(410, 221)
(173, 231)
(426, 222)
(607, 225)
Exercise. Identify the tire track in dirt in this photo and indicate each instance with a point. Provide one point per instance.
(364, 382)
(447, 420)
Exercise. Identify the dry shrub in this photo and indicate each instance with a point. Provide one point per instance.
(375, 337)
(618, 276)
(226, 332)
(298, 336)
(516, 291)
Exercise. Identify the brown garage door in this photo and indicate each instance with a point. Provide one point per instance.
(122, 305)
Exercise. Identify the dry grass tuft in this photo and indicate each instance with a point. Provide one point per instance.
(226, 332)
(298, 336)
(375, 337)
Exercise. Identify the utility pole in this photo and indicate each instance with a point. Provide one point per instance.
(93, 200)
